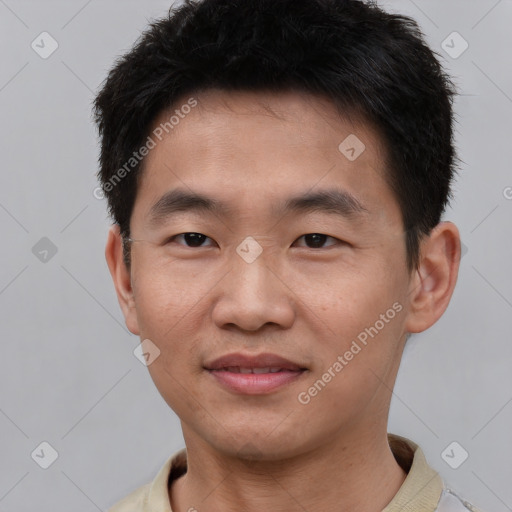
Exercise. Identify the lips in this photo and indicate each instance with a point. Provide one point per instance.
(238, 369)
(255, 364)
(254, 375)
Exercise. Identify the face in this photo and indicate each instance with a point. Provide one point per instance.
(278, 270)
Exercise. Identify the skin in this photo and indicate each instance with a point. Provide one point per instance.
(307, 304)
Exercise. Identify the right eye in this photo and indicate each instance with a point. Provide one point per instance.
(192, 239)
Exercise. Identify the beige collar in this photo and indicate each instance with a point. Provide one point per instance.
(421, 489)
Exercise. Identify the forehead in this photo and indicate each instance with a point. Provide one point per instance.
(256, 150)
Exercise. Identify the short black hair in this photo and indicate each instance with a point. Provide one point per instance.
(364, 60)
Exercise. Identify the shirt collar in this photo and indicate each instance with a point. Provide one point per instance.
(421, 490)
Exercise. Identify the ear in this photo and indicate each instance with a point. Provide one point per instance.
(432, 285)
(121, 277)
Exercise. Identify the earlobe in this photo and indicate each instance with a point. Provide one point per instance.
(121, 278)
(434, 281)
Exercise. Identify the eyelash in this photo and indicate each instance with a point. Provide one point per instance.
(172, 238)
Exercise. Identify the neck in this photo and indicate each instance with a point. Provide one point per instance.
(357, 472)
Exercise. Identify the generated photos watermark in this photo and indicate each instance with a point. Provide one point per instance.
(137, 156)
(304, 397)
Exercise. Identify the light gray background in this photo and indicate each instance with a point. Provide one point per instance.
(68, 375)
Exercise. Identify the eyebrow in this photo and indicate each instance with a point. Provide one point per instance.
(331, 201)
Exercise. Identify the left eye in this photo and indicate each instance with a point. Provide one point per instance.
(317, 239)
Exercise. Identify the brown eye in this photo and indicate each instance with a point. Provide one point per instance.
(317, 240)
(191, 239)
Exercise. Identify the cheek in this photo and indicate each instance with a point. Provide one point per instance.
(165, 294)
(175, 371)
(355, 367)
(350, 303)
(167, 307)
(362, 329)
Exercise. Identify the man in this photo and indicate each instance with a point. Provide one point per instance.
(277, 172)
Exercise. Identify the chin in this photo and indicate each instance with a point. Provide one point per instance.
(253, 444)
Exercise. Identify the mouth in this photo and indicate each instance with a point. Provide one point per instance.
(254, 375)
(268, 369)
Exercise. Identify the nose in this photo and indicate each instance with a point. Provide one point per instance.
(253, 295)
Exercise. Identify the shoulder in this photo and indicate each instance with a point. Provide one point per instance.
(450, 502)
(134, 502)
(154, 495)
